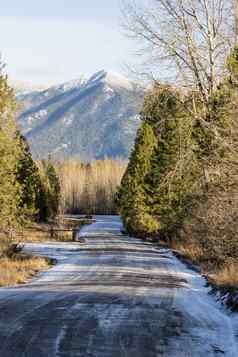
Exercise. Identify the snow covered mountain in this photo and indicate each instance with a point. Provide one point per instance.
(89, 119)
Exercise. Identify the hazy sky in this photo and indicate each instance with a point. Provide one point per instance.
(50, 41)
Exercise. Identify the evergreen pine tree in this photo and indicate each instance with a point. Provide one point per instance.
(28, 178)
(10, 190)
(49, 198)
(132, 192)
(162, 167)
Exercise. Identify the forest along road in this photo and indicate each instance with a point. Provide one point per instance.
(112, 296)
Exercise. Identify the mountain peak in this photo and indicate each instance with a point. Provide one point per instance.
(74, 83)
(118, 80)
(91, 118)
(111, 78)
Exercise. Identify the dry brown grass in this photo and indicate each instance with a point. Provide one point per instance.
(227, 276)
(190, 251)
(208, 236)
(19, 269)
(41, 232)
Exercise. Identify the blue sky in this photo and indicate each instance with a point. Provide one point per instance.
(51, 41)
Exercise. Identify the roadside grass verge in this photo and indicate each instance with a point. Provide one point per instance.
(225, 275)
(208, 236)
(20, 268)
(61, 231)
(223, 278)
(44, 232)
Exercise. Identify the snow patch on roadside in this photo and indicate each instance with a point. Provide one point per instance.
(207, 326)
(205, 313)
(58, 341)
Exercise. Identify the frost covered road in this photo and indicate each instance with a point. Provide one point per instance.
(112, 296)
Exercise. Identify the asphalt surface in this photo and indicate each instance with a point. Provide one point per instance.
(112, 296)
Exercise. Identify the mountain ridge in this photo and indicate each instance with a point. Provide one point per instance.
(89, 119)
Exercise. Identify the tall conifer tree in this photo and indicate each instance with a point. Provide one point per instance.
(10, 190)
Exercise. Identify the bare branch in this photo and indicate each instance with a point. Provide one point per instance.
(191, 37)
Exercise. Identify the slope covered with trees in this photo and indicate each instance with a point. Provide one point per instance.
(85, 119)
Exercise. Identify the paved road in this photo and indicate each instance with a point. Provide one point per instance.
(112, 296)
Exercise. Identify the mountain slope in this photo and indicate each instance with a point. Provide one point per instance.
(89, 119)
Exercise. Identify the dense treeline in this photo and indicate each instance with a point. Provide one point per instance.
(28, 190)
(90, 188)
(182, 178)
(163, 166)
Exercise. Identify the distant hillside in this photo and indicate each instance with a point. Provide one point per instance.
(89, 119)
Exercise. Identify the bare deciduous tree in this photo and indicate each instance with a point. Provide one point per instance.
(90, 188)
(187, 40)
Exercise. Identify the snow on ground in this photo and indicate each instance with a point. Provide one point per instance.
(104, 225)
(113, 296)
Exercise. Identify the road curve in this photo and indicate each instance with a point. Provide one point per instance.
(112, 296)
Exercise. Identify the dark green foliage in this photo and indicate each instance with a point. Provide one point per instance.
(10, 190)
(23, 191)
(191, 174)
(132, 196)
(216, 137)
(162, 167)
(29, 179)
(232, 65)
(209, 232)
(40, 187)
(49, 198)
